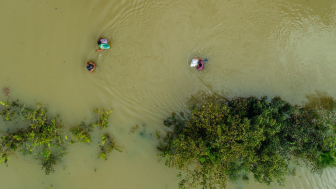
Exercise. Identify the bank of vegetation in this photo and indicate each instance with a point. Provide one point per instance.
(219, 140)
(215, 141)
(46, 137)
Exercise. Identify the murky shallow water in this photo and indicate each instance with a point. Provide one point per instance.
(256, 47)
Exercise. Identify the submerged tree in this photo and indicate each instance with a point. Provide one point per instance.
(225, 139)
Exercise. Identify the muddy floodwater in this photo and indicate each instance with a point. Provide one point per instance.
(281, 48)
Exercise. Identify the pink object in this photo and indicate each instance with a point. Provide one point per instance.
(200, 67)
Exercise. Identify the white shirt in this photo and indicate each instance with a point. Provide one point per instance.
(194, 62)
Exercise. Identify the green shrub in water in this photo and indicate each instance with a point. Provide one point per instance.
(106, 146)
(81, 133)
(43, 135)
(224, 139)
(103, 116)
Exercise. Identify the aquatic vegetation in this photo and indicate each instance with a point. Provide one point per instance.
(157, 134)
(81, 133)
(48, 162)
(107, 145)
(246, 179)
(103, 116)
(133, 129)
(226, 138)
(293, 172)
(6, 91)
(43, 135)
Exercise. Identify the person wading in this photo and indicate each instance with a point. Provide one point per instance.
(90, 66)
(197, 62)
(102, 43)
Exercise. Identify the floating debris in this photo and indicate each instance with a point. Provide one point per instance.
(6, 91)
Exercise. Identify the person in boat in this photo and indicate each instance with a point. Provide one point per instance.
(197, 62)
(102, 43)
(90, 66)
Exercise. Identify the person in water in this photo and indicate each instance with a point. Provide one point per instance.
(90, 66)
(197, 62)
(102, 43)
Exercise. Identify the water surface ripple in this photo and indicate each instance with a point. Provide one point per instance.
(258, 47)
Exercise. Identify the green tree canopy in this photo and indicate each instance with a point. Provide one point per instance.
(227, 139)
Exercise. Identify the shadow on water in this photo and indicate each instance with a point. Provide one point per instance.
(143, 134)
(202, 96)
(319, 101)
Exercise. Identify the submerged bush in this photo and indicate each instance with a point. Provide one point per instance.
(228, 138)
(45, 136)
(103, 116)
(81, 133)
(106, 146)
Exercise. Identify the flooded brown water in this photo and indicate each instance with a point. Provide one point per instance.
(255, 47)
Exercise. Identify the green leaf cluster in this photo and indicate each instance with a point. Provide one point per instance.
(225, 139)
(106, 146)
(81, 133)
(43, 135)
(103, 116)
